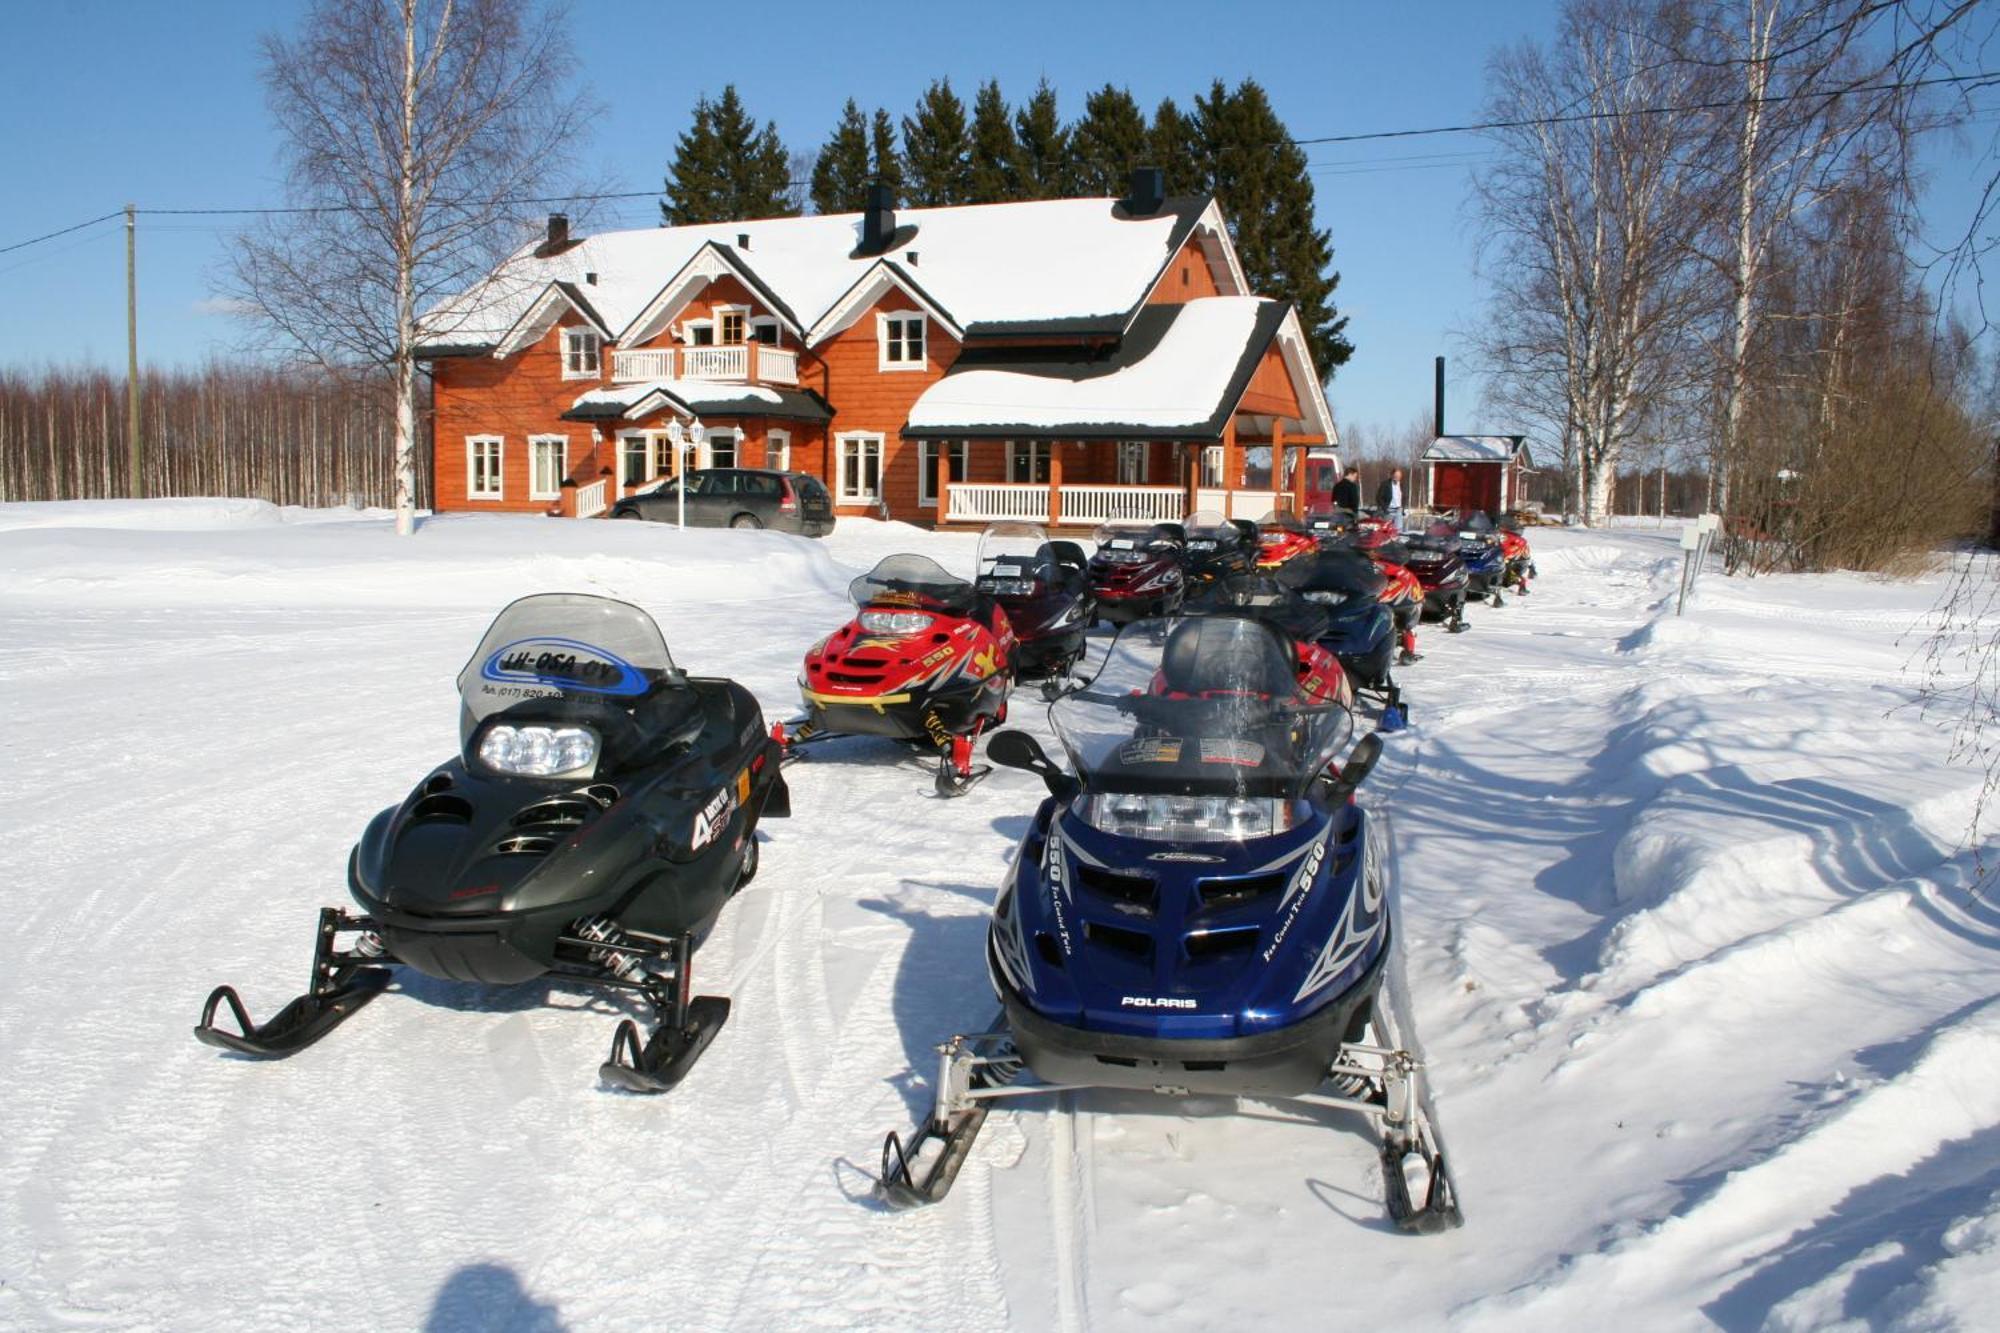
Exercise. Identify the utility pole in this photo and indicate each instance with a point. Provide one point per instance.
(135, 485)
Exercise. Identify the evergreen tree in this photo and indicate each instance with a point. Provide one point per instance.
(994, 172)
(1106, 143)
(1043, 144)
(840, 177)
(885, 164)
(1260, 177)
(1173, 145)
(725, 169)
(937, 149)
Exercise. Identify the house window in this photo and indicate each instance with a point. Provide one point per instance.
(635, 460)
(901, 338)
(721, 449)
(960, 453)
(1132, 462)
(731, 322)
(701, 335)
(548, 464)
(778, 450)
(580, 354)
(860, 467)
(1028, 461)
(1211, 466)
(764, 330)
(483, 455)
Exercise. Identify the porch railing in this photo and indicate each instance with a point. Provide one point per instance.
(987, 502)
(1102, 504)
(590, 499)
(716, 363)
(646, 363)
(777, 365)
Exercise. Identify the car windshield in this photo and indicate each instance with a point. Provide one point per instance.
(1191, 708)
(915, 581)
(1208, 530)
(1015, 558)
(565, 645)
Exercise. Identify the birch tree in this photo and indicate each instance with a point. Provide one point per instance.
(418, 137)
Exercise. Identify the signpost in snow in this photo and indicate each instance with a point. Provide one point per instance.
(1696, 538)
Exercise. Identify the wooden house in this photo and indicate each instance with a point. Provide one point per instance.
(1467, 472)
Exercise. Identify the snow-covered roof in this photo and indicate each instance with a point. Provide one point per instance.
(995, 268)
(1473, 449)
(1178, 374)
(688, 398)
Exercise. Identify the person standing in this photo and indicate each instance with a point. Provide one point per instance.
(1347, 491)
(1389, 498)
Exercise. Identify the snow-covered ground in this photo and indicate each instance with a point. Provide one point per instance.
(1706, 989)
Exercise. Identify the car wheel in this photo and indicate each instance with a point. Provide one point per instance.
(627, 513)
(745, 521)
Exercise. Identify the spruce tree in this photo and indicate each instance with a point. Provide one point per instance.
(1106, 143)
(1044, 146)
(725, 169)
(994, 172)
(840, 177)
(885, 164)
(937, 150)
(1260, 177)
(1173, 145)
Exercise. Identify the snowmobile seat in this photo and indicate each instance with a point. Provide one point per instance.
(1227, 654)
(1068, 555)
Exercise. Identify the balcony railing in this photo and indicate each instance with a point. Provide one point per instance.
(1102, 504)
(1087, 506)
(984, 502)
(775, 365)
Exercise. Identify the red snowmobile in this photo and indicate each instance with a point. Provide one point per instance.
(1403, 592)
(1520, 561)
(1282, 538)
(928, 660)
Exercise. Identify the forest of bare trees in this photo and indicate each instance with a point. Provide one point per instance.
(286, 436)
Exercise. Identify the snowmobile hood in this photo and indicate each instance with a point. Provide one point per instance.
(859, 663)
(1190, 940)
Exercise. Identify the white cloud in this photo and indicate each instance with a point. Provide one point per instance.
(222, 305)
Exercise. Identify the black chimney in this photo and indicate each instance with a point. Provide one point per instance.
(1147, 192)
(878, 221)
(558, 237)
(1437, 420)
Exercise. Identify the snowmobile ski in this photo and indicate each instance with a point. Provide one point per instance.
(341, 984)
(659, 1064)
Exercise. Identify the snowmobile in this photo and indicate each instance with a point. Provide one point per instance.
(1520, 560)
(1218, 547)
(1402, 592)
(1361, 628)
(1434, 559)
(1282, 537)
(1137, 570)
(1267, 597)
(1044, 587)
(1330, 525)
(602, 808)
(1200, 907)
(1480, 548)
(928, 660)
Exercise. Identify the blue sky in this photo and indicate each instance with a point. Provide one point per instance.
(161, 105)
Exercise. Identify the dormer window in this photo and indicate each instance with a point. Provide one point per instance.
(580, 354)
(731, 325)
(901, 341)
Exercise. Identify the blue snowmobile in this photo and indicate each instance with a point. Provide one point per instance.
(1200, 906)
(1360, 627)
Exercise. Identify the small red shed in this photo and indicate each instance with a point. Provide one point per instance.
(1467, 472)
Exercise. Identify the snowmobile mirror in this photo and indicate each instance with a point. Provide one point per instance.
(1360, 761)
(1017, 749)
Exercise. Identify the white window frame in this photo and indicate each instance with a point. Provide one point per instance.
(778, 447)
(474, 446)
(771, 322)
(654, 442)
(1035, 449)
(735, 438)
(1139, 449)
(923, 323)
(571, 336)
(841, 443)
(535, 443)
(1213, 459)
(715, 315)
(927, 456)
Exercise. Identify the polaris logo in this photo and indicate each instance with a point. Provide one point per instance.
(1202, 857)
(1155, 1002)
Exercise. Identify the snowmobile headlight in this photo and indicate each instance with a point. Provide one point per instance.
(895, 622)
(538, 752)
(1113, 556)
(1186, 818)
(1007, 587)
(1325, 598)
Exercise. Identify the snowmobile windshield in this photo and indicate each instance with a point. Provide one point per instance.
(1330, 520)
(1478, 523)
(1015, 560)
(1265, 597)
(914, 581)
(1336, 576)
(1274, 522)
(1208, 531)
(1196, 730)
(565, 646)
(1138, 540)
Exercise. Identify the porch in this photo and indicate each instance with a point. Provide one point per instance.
(738, 363)
(1086, 506)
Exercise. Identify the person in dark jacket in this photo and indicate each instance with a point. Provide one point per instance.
(1389, 496)
(1347, 491)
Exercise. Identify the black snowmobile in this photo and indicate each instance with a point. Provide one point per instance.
(601, 810)
(1217, 547)
(1433, 557)
(1044, 587)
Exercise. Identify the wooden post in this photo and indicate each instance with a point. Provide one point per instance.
(1232, 469)
(1055, 483)
(135, 483)
(1191, 473)
(944, 481)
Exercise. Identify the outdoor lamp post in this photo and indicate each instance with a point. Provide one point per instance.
(677, 438)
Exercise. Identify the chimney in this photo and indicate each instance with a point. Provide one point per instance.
(742, 240)
(1437, 419)
(878, 221)
(558, 237)
(1147, 192)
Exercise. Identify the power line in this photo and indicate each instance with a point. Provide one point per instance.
(50, 236)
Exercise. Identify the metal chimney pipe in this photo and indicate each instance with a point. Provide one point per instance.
(1437, 417)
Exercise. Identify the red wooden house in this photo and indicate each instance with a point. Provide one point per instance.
(1066, 360)
(1467, 472)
